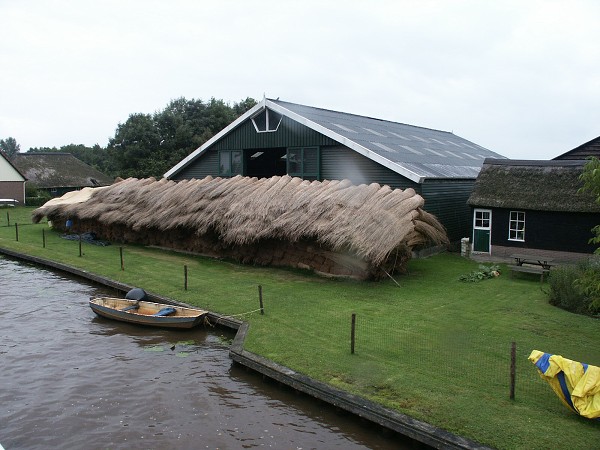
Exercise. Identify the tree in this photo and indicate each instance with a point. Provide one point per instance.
(10, 147)
(133, 147)
(591, 183)
(149, 145)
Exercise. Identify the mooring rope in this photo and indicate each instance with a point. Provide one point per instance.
(237, 315)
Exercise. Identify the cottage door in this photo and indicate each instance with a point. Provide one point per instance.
(482, 227)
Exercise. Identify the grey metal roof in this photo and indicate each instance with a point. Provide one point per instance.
(414, 152)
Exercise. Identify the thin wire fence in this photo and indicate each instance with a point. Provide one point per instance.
(442, 363)
(415, 358)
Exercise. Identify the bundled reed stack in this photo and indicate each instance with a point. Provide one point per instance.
(331, 227)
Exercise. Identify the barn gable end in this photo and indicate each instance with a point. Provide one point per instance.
(277, 138)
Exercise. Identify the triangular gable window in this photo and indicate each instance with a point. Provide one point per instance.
(266, 121)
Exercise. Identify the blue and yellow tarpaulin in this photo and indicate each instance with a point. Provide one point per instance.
(576, 384)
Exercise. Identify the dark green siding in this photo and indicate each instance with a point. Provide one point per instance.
(447, 200)
(207, 164)
(339, 162)
(289, 134)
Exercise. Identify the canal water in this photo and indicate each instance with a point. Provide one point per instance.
(72, 380)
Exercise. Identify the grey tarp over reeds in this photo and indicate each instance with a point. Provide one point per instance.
(370, 221)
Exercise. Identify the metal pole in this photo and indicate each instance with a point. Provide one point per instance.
(260, 300)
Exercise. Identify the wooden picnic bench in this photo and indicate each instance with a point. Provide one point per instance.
(539, 265)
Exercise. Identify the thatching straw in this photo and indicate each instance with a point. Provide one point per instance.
(370, 221)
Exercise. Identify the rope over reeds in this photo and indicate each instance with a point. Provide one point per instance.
(371, 221)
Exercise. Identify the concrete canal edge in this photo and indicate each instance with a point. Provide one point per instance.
(365, 409)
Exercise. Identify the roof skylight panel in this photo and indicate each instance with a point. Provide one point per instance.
(384, 147)
(420, 138)
(435, 153)
(399, 136)
(439, 142)
(453, 143)
(342, 127)
(376, 133)
(454, 154)
(410, 149)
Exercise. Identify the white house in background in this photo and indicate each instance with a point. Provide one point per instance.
(12, 182)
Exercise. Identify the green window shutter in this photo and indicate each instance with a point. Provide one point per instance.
(237, 163)
(224, 164)
(303, 162)
(231, 163)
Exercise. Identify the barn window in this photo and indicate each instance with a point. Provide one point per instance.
(230, 163)
(303, 162)
(516, 226)
(266, 121)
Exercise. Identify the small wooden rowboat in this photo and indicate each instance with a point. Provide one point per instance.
(147, 313)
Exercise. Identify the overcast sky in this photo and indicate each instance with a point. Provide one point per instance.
(521, 78)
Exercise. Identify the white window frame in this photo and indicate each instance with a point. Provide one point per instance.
(513, 229)
(268, 128)
(489, 219)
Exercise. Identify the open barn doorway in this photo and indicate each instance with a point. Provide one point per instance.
(265, 163)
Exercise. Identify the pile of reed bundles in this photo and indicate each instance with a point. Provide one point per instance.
(331, 227)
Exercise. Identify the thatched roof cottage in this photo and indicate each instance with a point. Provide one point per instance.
(59, 172)
(332, 227)
(533, 205)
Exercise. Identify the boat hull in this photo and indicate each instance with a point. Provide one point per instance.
(114, 308)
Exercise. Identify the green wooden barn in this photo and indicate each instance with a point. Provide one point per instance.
(278, 138)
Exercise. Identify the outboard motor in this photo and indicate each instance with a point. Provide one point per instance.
(137, 294)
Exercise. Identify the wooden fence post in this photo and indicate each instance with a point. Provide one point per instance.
(80, 253)
(43, 238)
(352, 333)
(260, 300)
(17, 231)
(121, 253)
(8, 219)
(513, 369)
(185, 277)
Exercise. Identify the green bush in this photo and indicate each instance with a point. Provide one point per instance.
(576, 288)
(483, 273)
(38, 200)
(34, 196)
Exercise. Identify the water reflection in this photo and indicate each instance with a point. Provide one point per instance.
(73, 380)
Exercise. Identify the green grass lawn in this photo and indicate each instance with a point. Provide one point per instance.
(434, 348)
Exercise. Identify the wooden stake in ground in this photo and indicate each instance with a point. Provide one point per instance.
(352, 333)
(513, 369)
(185, 277)
(260, 300)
